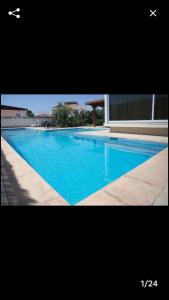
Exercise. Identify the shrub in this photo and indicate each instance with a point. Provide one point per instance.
(68, 117)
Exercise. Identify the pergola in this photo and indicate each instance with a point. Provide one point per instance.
(95, 104)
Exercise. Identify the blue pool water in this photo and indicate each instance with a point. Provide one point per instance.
(78, 165)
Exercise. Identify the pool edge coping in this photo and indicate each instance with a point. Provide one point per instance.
(141, 179)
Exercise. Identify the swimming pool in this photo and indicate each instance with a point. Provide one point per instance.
(78, 165)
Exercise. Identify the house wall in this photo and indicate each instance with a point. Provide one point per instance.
(13, 113)
(12, 122)
(146, 129)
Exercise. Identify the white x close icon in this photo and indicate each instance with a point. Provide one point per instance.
(153, 13)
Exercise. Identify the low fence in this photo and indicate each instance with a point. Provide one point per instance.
(17, 122)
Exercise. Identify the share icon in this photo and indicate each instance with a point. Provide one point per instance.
(12, 13)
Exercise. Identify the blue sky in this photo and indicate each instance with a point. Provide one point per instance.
(44, 103)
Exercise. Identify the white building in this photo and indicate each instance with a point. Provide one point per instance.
(137, 113)
(12, 116)
(70, 104)
(40, 118)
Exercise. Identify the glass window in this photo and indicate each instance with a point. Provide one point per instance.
(161, 107)
(130, 107)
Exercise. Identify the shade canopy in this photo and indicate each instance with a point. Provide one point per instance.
(95, 103)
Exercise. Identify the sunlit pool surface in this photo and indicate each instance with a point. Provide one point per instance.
(78, 165)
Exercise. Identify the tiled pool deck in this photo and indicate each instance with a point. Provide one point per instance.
(145, 185)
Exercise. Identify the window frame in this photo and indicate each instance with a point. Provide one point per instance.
(152, 120)
(156, 120)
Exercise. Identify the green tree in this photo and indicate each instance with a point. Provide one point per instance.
(30, 113)
(68, 117)
(62, 114)
(99, 116)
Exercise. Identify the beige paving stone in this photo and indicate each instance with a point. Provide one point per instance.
(38, 190)
(132, 191)
(153, 171)
(11, 158)
(19, 171)
(101, 198)
(162, 199)
(54, 202)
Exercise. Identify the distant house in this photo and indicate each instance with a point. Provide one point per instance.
(71, 104)
(43, 116)
(13, 112)
(39, 118)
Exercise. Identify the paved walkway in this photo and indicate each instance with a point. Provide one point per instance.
(7, 194)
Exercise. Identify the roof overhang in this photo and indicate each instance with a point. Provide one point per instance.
(95, 103)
